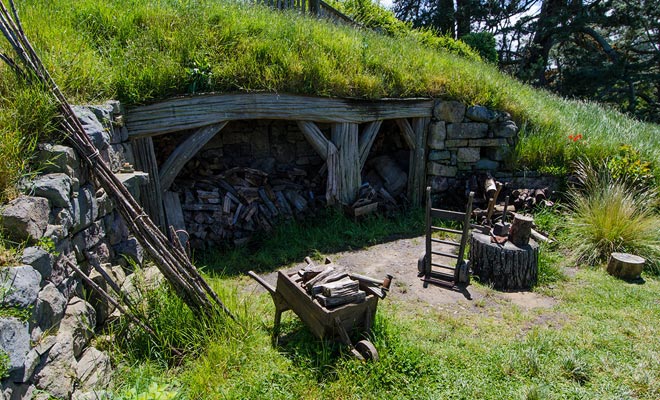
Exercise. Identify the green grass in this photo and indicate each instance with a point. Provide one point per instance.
(141, 51)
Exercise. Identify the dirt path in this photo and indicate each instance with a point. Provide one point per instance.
(399, 258)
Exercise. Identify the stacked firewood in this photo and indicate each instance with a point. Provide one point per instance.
(371, 199)
(233, 205)
(332, 286)
(526, 199)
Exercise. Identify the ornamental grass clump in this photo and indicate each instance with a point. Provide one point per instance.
(610, 214)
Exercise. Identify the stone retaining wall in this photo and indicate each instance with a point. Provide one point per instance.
(64, 217)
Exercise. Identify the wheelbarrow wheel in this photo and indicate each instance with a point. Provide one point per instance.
(367, 350)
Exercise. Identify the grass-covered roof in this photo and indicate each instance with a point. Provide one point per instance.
(141, 51)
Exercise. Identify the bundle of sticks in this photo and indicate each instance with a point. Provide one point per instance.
(332, 286)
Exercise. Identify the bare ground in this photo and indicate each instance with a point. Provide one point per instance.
(399, 258)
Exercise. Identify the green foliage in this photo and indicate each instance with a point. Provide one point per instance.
(628, 165)
(483, 43)
(610, 215)
(4, 364)
(155, 391)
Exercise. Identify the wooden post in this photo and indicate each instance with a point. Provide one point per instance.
(417, 168)
(345, 138)
(145, 160)
(184, 152)
(174, 216)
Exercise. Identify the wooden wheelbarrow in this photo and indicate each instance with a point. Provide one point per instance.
(336, 323)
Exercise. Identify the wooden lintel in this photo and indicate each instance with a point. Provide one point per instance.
(407, 132)
(184, 152)
(198, 111)
(315, 137)
(366, 140)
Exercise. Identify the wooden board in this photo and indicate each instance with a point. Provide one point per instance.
(152, 200)
(198, 111)
(174, 215)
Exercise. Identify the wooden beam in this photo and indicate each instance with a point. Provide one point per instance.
(366, 140)
(417, 168)
(145, 160)
(347, 170)
(315, 137)
(198, 111)
(407, 132)
(184, 152)
(174, 215)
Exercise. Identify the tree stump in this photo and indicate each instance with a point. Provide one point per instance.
(625, 266)
(506, 267)
(521, 229)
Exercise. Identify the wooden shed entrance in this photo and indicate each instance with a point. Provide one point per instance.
(344, 150)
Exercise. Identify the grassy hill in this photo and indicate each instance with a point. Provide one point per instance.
(142, 51)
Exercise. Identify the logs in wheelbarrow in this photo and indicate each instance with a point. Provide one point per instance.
(335, 323)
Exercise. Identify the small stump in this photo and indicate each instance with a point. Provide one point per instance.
(506, 267)
(625, 266)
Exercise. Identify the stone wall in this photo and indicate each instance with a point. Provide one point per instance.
(64, 217)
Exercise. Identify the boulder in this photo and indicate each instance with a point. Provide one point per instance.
(19, 286)
(55, 187)
(25, 218)
(49, 309)
(39, 259)
(481, 114)
(15, 342)
(449, 111)
(93, 369)
(79, 322)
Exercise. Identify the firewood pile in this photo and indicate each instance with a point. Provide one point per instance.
(332, 286)
(371, 199)
(233, 205)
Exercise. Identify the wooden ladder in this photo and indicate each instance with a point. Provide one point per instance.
(439, 272)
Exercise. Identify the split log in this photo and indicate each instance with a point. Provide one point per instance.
(625, 266)
(340, 288)
(329, 302)
(521, 229)
(506, 267)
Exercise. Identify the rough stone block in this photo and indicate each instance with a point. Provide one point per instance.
(88, 238)
(131, 249)
(507, 129)
(19, 286)
(468, 155)
(99, 134)
(491, 142)
(54, 187)
(39, 259)
(93, 369)
(486, 165)
(497, 153)
(462, 166)
(437, 169)
(439, 184)
(468, 130)
(437, 135)
(49, 309)
(79, 321)
(481, 114)
(57, 158)
(449, 111)
(452, 144)
(133, 181)
(15, 342)
(115, 228)
(85, 208)
(25, 218)
(439, 155)
(57, 372)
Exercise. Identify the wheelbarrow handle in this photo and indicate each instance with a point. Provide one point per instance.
(262, 282)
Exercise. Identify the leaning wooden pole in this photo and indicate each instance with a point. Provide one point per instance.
(171, 261)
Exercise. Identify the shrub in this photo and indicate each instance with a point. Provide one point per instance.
(610, 214)
(483, 43)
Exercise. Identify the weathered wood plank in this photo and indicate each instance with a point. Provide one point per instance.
(198, 111)
(145, 160)
(174, 215)
(417, 171)
(347, 173)
(407, 132)
(367, 139)
(184, 152)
